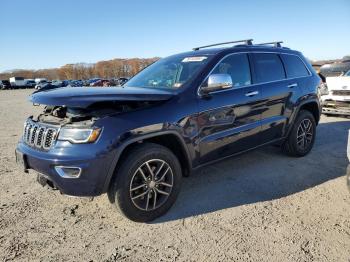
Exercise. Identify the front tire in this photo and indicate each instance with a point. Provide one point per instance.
(147, 183)
(302, 136)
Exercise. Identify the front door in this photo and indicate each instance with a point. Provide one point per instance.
(229, 120)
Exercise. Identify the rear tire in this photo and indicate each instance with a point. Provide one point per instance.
(147, 183)
(302, 136)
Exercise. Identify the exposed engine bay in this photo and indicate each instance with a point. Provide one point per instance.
(63, 115)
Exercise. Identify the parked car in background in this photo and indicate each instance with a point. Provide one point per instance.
(29, 83)
(60, 83)
(183, 112)
(46, 86)
(90, 81)
(335, 69)
(86, 82)
(335, 95)
(75, 83)
(41, 84)
(39, 80)
(101, 82)
(122, 80)
(5, 84)
(113, 82)
(17, 82)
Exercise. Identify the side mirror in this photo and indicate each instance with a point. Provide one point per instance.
(217, 82)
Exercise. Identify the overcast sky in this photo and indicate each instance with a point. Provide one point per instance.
(50, 33)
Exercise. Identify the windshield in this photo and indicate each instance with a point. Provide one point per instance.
(348, 73)
(170, 73)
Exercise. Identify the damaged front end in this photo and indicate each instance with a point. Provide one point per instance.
(334, 107)
(70, 114)
(72, 142)
(335, 96)
(336, 102)
(76, 125)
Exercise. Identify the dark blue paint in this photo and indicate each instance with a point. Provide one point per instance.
(84, 96)
(208, 128)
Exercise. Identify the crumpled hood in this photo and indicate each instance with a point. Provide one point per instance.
(83, 97)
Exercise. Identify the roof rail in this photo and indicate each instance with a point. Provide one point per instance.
(276, 44)
(246, 41)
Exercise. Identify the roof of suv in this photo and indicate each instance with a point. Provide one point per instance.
(241, 48)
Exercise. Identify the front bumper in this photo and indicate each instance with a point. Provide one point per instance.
(335, 107)
(94, 167)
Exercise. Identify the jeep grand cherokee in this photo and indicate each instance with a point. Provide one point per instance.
(136, 142)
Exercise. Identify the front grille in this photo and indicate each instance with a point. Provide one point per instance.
(341, 92)
(38, 135)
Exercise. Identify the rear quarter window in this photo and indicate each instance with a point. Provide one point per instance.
(268, 67)
(294, 66)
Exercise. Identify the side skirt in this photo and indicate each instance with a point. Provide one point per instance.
(242, 152)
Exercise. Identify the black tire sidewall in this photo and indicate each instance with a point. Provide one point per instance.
(293, 135)
(121, 188)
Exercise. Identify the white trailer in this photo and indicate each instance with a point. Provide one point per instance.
(17, 82)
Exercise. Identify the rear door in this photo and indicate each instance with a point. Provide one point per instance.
(277, 93)
(297, 72)
(229, 120)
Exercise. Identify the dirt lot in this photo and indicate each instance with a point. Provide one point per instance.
(260, 206)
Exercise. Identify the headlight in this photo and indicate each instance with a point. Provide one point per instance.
(323, 89)
(78, 135)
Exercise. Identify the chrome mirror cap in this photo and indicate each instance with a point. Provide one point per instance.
(217, 82)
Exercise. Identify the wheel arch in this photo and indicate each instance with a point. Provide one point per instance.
(312, 107)
(170, 139)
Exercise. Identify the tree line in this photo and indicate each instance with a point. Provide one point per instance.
(114, 68)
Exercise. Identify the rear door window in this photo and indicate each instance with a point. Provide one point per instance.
(294, 66)
(268, 67)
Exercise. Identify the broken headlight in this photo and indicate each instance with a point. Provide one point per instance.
(79, 135)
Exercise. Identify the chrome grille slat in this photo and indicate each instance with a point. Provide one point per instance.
(39, 135)
(49, 137)
(33, 134)
(28, 132)
(25, 130)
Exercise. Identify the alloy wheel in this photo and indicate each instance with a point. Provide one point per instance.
(304, 134)
(151, 184)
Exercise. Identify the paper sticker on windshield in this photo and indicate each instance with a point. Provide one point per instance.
(194, 59)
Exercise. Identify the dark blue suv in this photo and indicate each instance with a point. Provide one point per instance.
(136, 142)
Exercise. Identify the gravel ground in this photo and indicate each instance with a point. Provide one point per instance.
(260, 206)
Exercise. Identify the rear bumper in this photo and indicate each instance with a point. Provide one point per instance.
(94, 169)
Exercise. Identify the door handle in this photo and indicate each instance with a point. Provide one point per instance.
(293, 85)
(252, 93)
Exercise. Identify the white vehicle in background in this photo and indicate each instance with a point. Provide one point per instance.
(335, 96)
(40, 80)
(17, 82)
